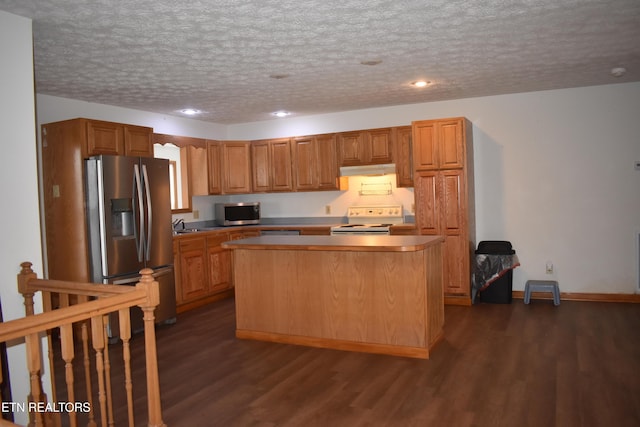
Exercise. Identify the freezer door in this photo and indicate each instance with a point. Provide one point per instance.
(114, 216)
(157, 204)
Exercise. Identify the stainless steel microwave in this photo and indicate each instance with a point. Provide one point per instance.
(237, 213)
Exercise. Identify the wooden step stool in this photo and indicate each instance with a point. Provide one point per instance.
(542, 286)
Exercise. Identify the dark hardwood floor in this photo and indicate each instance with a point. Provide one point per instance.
(577, 364)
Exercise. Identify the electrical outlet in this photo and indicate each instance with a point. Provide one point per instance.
(549, 267)
(327, 209)
(56, 190)
(196, 214)
(636, 166)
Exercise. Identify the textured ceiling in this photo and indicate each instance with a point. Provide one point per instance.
(219, 56)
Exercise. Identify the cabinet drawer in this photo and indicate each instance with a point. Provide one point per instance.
(217, 239)
(193, 244)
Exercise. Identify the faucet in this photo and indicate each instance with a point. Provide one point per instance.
(177, 222)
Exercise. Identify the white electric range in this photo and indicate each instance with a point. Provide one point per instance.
(370, 220)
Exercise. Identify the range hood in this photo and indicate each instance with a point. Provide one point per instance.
(368, 170)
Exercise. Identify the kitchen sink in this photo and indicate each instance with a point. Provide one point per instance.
(186, 230)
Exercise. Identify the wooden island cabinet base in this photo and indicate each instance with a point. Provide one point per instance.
(378, 294)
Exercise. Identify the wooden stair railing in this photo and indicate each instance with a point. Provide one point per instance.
(87, 318)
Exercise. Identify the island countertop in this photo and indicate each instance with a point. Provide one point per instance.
(357, 243)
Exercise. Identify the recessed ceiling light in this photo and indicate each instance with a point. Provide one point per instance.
(190, 111)
(618, 71)
(374, 62)
(281, 113)
(421, 83)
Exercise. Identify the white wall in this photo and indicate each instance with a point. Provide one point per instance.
(553, 174)
(20, 219)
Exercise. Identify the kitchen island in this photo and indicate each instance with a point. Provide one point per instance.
(378, 294)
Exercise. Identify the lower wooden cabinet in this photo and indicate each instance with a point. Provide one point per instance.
(202, 270)
(194, 282)
(219, 264)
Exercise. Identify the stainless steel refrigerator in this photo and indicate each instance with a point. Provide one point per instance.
(129, 219)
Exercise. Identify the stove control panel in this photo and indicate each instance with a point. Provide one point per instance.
(387, 213)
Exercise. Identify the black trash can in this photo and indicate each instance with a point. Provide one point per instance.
(500, 253)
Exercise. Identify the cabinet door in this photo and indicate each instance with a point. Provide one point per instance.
(456, 250)
(450, 201)
(378, 148)
(451, 143)
(425, 145)
(260, 166)
(198, 167)
(403, 157)
(304, 163)
(214, 159)
(219, 264)
(426, 196)
(439, 144)
(236, 167)
(350, 148)
(193, 269)
(138, 141)
(280, 165)
(104, 138)
(177, 272)
(326, 162)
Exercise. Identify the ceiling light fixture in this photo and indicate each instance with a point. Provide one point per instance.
(279, 76)
(421, 83)
(618, 71)
(371, 63)
(281, 113)
(190, 111)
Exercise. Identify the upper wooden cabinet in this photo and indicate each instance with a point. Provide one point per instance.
(403, 156)
(214, 163)
(236, 167)
(104, 138)
(271, 165)
(315, 165)
(96, 137)
(198, 170)
(441, 144)
(327, 164)
(365, 147)
(138, 141)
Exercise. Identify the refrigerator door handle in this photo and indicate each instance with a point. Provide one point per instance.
(137, 196)
(147, 190)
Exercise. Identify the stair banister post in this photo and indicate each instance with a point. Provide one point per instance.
(151, 287)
